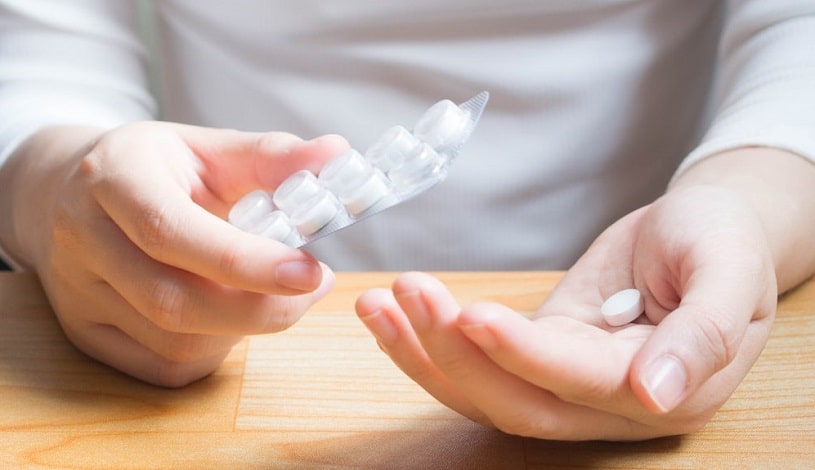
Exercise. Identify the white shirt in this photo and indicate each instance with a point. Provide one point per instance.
(594, 103)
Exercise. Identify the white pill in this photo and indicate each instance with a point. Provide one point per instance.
(623, 307)
(251, 210)
(444, 124)
(316, 213)
(296, 190)
(276, 226)
(392, 148)
(366, 194)
(345, 171)
(417, 169)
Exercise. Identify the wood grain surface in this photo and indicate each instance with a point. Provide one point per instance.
(322, 395)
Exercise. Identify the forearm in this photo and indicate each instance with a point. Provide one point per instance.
(780, 187)
(77, 63)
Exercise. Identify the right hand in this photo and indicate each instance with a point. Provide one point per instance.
(126, 231)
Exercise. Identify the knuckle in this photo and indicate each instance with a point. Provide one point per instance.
(715, 334)
(107, 146)
(154, 229)
(185, 348)
(458, 367)
(231, 261)
(90, 166)
(65, 231)
(274, 142)
(168, 306)
(284, 312)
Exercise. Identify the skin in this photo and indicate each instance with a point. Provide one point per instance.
(132, 250)
(710, 258)
(145, 275)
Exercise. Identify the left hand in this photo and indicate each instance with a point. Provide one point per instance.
(700, 258)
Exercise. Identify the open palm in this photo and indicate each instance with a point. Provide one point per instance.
(700, 259)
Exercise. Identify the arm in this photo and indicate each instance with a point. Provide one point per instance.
(124, 221)
(765, 113)
(759, 150)
(780, 187)
(710, 256)
(66, 63)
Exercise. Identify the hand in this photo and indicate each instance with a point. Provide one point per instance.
(700, 257)
(126, 232)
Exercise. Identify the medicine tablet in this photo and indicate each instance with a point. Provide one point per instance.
(623, 307)
(277, 227)
(316, 213)
(345, 171)
(368, 193)
(251, 210)
(444, 124)
(394, 147)
(419, 168)
(296, 190)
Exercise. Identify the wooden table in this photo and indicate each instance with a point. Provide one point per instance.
(322, 395)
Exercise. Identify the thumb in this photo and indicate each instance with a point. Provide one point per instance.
(704, 335)
(238, 162)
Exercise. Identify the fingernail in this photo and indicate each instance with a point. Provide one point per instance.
(665, 381)
(414, 306)
(381, 326)
(299, 275)
(480, 334)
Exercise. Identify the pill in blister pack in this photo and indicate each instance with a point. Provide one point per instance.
(352, 186)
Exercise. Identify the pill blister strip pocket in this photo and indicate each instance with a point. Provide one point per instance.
(399, 165)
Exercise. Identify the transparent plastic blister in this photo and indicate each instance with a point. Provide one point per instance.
(399, 165)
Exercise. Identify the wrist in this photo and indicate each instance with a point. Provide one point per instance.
(30, 182)
(780, 188)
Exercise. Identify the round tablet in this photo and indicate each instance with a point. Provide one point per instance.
(623, 307)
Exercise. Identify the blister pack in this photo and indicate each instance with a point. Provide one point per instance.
(399, 165)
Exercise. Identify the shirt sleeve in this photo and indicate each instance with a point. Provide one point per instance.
(766, 80)
(69, 62)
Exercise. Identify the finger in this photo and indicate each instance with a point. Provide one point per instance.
(178, 301)
(101, 305)
(148, 195)
(511, 403)
(579, 363)
(384, 318)
(116, 349)
(705, 334)
(165, 224)
(239, 162)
